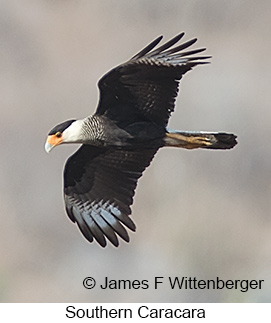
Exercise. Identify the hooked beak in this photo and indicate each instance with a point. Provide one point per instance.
(51, 142)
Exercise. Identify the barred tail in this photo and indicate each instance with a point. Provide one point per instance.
(208, 140)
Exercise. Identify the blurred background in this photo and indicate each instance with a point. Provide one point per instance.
(203, 214)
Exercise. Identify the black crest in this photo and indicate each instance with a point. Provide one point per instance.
(61, 127)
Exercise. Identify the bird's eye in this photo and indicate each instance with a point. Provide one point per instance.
(58, 134)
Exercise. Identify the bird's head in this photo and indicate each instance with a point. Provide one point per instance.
(65, 132)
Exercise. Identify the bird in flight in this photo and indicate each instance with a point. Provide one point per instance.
(120, 140)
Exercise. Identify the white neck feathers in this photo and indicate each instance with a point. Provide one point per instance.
(73, 134)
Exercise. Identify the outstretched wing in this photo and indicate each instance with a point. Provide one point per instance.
(145, 87)
(99, 185)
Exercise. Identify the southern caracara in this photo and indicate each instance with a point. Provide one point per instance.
(121, 138)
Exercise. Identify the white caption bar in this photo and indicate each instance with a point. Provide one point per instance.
(89, 312)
